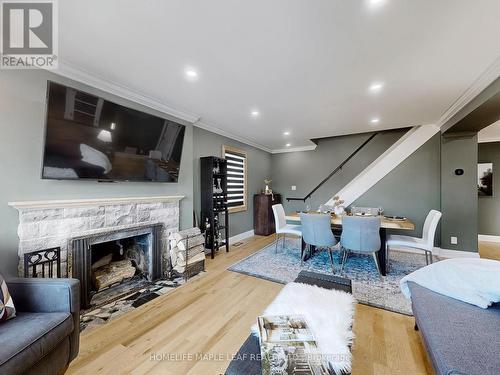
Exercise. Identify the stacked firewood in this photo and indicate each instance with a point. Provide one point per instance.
(187, 252)
(106, 273)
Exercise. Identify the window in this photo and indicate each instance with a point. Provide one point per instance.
(236, 178)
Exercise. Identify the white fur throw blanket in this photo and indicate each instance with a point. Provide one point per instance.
(475, 281)
(329, 314)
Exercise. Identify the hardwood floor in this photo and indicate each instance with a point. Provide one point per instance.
(489, 250)
(212, 316)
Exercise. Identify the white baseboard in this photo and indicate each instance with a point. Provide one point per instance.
(442, 253)
(488, 238)
(241, 236)
(406, 250)
(447, 253)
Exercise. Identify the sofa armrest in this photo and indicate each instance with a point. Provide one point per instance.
(45, 295)
(49, 295)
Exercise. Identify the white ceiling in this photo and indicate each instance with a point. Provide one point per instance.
(305, 65)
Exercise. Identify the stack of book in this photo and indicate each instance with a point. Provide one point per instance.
(288, 347)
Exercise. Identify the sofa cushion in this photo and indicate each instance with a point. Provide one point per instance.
(461, 338)
(7, 309)
(30, 337)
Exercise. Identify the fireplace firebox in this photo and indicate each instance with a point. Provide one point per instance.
(106, 260)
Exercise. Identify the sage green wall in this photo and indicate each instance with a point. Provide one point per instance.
(307, 169)
(412, 189)
(22, 118)
(488, 211)
(459, 193)
(206, 143)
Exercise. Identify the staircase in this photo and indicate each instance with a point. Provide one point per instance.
(385, 163)
(339, 168)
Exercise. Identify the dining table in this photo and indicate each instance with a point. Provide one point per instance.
(386, 223)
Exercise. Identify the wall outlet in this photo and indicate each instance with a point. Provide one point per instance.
(454, 240)
(294, 187)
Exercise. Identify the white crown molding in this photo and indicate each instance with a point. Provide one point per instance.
(49, 204)
(482, 82)
(73, 72)
(294, 149)
(70, 71)
(78, 74)
(213, 129)
(487, 140)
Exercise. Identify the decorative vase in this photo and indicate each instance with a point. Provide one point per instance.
(339, 210)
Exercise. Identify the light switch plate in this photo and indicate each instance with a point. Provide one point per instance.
(454, 240)
(294, 187)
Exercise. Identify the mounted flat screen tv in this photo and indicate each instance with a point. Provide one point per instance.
(88, 137)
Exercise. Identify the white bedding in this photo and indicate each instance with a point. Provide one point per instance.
(329, 314)
(475, 281)
(95, 157)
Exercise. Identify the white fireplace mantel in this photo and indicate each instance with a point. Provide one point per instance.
(50, 204)
(55, 223)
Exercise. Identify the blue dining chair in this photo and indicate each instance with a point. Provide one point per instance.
(317, 231)
(360, 235)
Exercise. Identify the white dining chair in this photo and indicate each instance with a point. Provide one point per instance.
(425, 243)
(282, 228)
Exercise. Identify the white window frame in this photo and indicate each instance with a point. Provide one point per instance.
(241, 153)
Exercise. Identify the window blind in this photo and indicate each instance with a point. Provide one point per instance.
(236, 179)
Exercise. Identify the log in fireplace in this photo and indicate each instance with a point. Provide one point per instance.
(106, 260)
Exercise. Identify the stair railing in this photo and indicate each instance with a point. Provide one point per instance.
(334, 171)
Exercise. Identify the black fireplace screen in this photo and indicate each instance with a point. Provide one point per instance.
(93, 263)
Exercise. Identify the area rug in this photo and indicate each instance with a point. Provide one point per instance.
(284, 266)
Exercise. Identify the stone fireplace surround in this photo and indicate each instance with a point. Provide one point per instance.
(46, 224)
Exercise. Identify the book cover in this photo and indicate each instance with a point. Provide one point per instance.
(288, 346)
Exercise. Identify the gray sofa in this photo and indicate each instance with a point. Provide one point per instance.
(460, 338)
(44, 336)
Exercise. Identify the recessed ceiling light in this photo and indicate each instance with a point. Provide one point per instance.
(376, 87)
(255, 113)
(288, 145)
(376, 3)
(191, 74)
(286, 133)
(375, 120)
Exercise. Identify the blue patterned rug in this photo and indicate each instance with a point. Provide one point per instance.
(368, 288)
